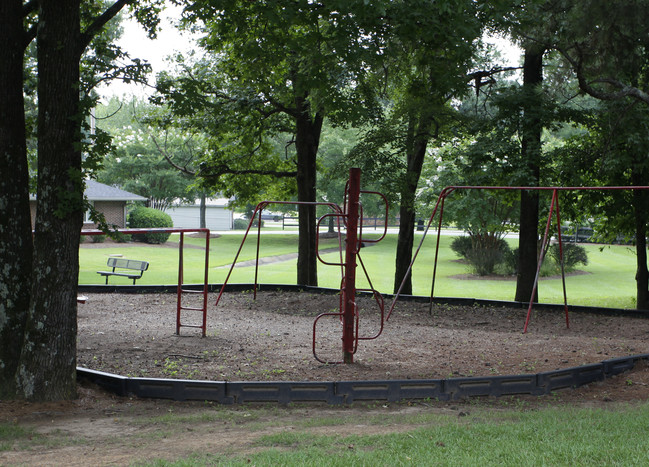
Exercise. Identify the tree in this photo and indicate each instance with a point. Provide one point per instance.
(613, 153)
(15, 221)
(154, 162)
(428, 54)
(606, 43)
(274, 68)
(46, 366)
(531, 131)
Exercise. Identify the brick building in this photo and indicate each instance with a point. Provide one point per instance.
(106, 199)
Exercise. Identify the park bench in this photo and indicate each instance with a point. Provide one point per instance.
(124, 264)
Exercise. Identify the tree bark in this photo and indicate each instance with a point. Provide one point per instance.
(203, 210)
(307, 140)
(640, 204)
(15, 218)
(418, 135)
(531, 156)
(47, 368)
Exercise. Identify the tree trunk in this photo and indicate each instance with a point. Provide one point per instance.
(307, 140)
(416, 152)
(47, 368)
(642, 274)
(202, 211)
(15, 219)
(531, 156)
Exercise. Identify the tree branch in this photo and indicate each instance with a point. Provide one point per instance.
(587, 86)
(30, 7)
(165, 154)
(101, 21)
(216, 172)
(485, 77)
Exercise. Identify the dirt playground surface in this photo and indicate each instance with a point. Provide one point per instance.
(271, 339)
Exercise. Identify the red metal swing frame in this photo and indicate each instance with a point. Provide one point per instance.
(554, 206)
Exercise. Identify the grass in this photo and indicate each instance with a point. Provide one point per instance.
(12, 433)
(609, 281)
(486, 434)
(548, 436)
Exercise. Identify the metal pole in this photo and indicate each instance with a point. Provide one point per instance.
(541, 257)
(351, 249)
(206, 280)
(561, 262)
(180, 281)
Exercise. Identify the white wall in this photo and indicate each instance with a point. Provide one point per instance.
(188, 217)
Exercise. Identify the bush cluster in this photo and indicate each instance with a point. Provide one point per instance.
(573, 255)
(497, 256)
(242, 224)
(141, 218)
(484, 253)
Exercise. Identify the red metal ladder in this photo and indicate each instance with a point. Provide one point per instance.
(181, 286)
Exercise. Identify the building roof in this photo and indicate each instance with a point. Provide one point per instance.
(209, 202)
(96, 191)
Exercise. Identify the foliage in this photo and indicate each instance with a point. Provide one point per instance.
(461, 245)
(123, 238)
(142, 155)
(142, 217)
(483, 252)
(587, 31)
(573, 255)
(98, 238)
(241, 224)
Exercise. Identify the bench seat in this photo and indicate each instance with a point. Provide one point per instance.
(125, 264)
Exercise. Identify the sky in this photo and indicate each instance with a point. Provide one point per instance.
(135, 41)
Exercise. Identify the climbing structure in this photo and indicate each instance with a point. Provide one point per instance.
(350, 219)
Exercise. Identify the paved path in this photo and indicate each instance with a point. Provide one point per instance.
(272, 259)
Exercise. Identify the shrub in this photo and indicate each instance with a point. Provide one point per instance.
(98, 238)
(484, 253)
(509, 264)
(573, 255)
(484, 260)
(240, 224)
(123, 238)
(142, 218)
(462, 245)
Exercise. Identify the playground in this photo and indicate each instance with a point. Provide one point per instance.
(296, 336)
(271, 338)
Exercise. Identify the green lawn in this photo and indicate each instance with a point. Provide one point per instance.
(507, 433)
(609, 281)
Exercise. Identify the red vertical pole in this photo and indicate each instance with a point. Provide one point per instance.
(563, 269)
(206, 280)
(180, 281)
(351, 249)
(541, 256)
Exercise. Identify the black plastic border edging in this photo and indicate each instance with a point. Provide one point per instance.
(347, 392)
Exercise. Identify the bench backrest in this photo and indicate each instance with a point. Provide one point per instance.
(128, 264)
